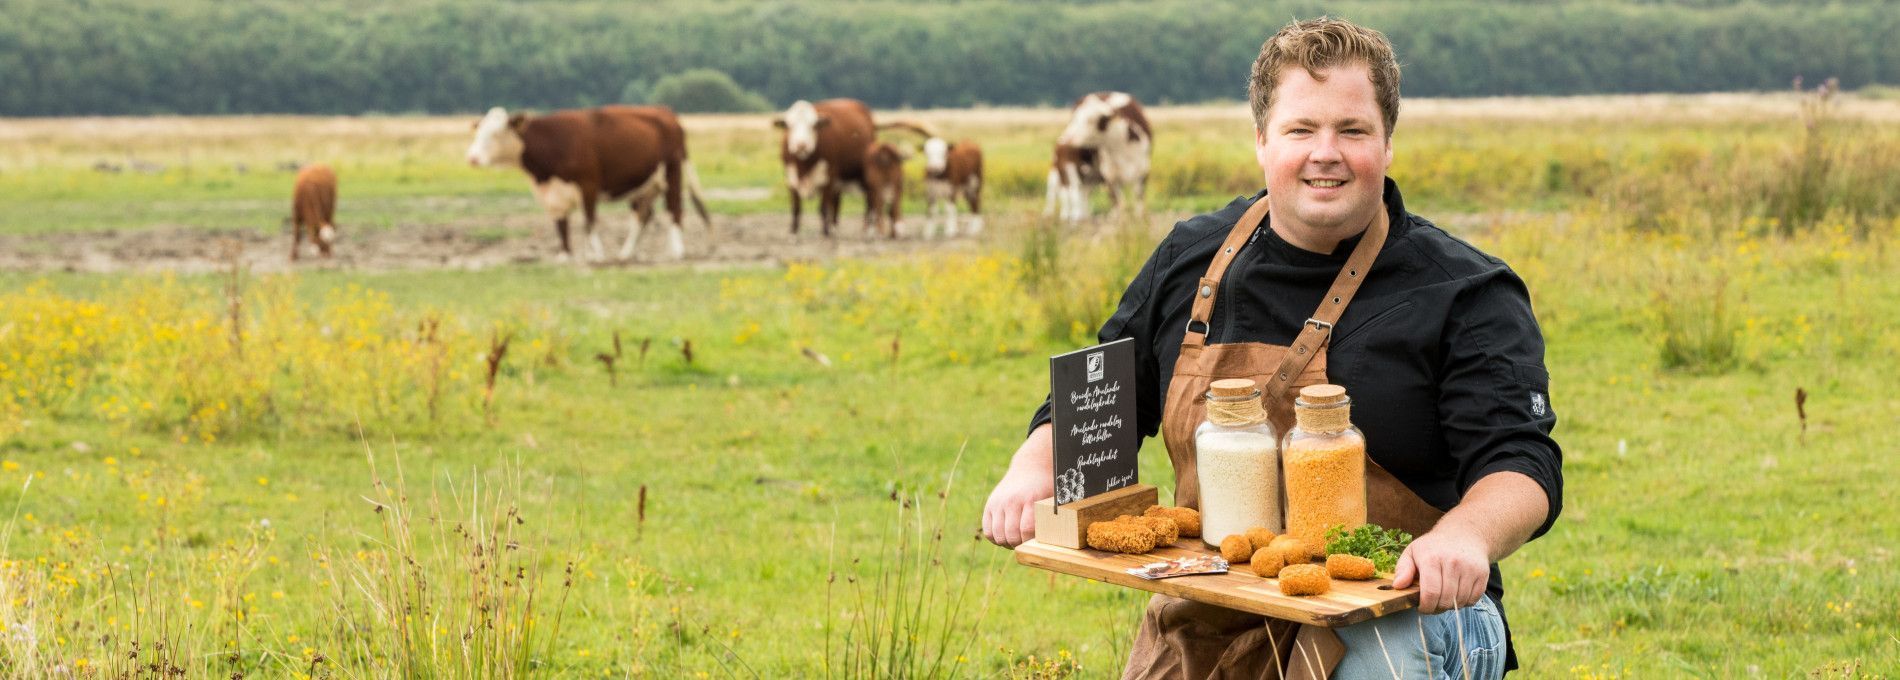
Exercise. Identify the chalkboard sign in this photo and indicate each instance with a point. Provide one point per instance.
(1092, 394)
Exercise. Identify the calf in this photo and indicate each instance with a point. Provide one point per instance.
(884, 187)
(1113, 125)
(313, 209)
(952, 171)
(624, 153)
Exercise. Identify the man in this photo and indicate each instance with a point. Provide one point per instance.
(1436, 344)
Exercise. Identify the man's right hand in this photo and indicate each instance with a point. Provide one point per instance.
(1009, 517)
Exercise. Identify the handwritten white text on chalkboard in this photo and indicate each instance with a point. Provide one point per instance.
(1096, 430)
(1095, 398)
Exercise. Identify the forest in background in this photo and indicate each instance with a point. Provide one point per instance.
(145, 57)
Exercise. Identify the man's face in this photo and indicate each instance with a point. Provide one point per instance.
(1324, 152)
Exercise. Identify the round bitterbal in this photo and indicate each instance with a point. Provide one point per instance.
(1236, 548)
(1267, 562)
(1261, 537)
(1296, 550)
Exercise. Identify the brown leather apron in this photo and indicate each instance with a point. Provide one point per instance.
(1184, 639)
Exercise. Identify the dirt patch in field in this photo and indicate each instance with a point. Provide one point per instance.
(473, 243)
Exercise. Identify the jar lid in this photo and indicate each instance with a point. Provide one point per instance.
(1231, 387)
(1318, 395)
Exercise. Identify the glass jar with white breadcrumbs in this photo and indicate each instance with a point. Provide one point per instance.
(1324, 458)
(1237, 460)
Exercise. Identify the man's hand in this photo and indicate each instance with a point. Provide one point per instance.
(1009, 517)
(1450, 567)
(1452, 563)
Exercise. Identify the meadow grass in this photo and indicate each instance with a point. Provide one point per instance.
(1637, 157)
(771, 505)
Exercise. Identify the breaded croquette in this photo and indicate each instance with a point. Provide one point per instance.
(1295, 549)
(1236, 548)
(1261, 537)
(1305, 579)
(1122, 537)
(1350, 567)
(1166, 531)
(1187, 520)
(1267, 562)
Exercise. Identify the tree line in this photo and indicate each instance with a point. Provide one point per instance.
(87, 57)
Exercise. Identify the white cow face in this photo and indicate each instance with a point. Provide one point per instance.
(1089, 124)
(497, 139)
(801, 123)
(936, 155)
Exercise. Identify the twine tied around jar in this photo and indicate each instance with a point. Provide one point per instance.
(1323, 408)
(1234, 402)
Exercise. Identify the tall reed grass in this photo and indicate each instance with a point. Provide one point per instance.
(915, 614)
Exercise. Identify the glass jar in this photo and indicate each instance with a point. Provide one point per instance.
(1237, 460)
(1325, 465)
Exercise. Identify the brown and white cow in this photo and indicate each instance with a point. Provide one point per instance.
(622, 153)
(884, 187)
(823, 151)
(1113, 126)
(313, 209)
(952, 171)
(1072, 174)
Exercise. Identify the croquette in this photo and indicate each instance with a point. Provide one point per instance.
(1187, 520)
(1350, 567)
(1166, 531)
(1267, 562)
(1295, 549)
(1122, 537)
(1236, 548)
(1261, 537)
(1305, 579)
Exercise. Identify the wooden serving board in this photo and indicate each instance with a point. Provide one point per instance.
(1348, 602)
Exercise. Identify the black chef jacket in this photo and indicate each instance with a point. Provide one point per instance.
(1439, 349)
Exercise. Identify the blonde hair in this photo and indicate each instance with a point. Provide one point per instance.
(1323, 43)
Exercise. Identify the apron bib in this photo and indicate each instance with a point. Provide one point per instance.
(1185, 639)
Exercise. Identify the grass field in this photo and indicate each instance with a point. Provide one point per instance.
(782, 474)
(1455, 156)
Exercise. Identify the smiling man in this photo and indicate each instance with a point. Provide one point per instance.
(1325, 277)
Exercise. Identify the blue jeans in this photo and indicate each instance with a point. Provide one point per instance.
(1454, 645)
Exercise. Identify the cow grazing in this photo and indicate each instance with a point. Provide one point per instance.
(1072, 174)
(952, 171)
(1112, 125)
(313, 209)
(884, 187)
(622, 153)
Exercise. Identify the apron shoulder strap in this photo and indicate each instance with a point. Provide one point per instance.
(1318, 329)
(1210, 282)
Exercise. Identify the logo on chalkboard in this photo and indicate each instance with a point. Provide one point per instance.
(1098, 366)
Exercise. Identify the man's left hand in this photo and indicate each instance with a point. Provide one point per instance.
(1450, 567)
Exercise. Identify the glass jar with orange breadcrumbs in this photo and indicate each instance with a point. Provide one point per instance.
(1323, 461)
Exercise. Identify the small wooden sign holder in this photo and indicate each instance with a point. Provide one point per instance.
(1068, 526)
